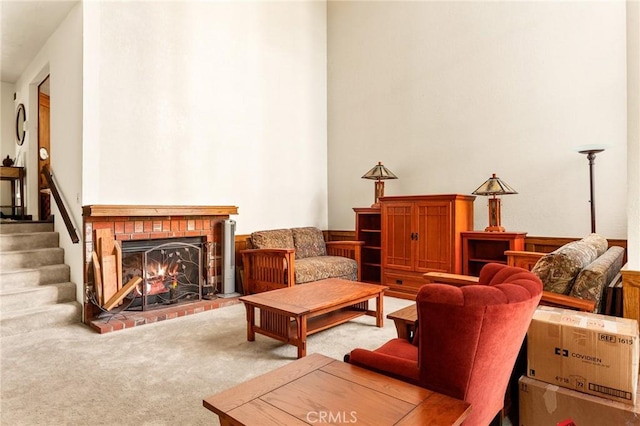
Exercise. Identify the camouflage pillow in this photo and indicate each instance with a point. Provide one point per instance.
(309, 242)
(277, 238)
(558, 269)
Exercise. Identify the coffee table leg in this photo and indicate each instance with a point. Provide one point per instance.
(379, 310)
(251, 335)
(402, 328)
(302, 335)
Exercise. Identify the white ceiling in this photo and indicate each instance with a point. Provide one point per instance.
(25, 26)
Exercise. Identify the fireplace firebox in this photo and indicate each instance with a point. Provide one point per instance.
(172, 270)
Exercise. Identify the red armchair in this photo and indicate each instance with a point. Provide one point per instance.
(467, 340)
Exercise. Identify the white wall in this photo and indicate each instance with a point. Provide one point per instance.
(61, 57)
(446, 93)
(633, 133)
(7, 120)
(8, 144)
(208, 103)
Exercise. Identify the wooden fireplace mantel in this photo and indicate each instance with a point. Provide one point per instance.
(132, 210)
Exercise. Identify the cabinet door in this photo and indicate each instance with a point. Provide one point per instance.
(434, 241)
(397, 241)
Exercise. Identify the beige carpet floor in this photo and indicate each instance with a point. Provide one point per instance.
(156, 374)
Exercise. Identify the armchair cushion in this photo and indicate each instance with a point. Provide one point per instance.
(272, 239)
(558, 269)
(322, 267)
(591, 281)
(308, 242)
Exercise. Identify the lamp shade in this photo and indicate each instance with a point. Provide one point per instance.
(379, 172)
(494, 186)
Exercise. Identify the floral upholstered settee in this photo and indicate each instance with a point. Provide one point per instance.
(284, 257)
(576, 275)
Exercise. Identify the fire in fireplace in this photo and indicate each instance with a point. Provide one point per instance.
(171, 269)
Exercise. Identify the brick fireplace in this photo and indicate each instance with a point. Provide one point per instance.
(158, 226)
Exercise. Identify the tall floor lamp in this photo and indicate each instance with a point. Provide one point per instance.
(591, 156)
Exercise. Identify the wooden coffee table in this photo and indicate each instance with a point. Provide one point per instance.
(318, 389)
(291, 314)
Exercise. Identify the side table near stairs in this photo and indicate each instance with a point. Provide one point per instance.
(14, 175)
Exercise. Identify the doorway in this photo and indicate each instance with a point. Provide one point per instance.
(44, 149)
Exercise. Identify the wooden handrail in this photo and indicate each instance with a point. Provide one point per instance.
(63, 211)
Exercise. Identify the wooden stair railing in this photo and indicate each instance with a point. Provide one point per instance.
(63, 210)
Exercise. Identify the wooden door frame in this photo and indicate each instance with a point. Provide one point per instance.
(43, 141)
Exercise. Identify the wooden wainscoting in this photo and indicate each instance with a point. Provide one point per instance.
(532, 243)
(339, 235)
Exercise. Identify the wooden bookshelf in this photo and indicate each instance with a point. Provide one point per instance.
(480, 248)
(368, 229)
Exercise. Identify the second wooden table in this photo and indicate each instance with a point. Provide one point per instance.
(321, 390)
(291, 314)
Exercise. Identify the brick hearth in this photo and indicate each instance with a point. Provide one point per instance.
(130, 319)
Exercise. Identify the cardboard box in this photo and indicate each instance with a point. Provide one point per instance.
(543, 404)
(591, 353)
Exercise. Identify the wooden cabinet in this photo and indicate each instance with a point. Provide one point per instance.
(421, 233)
(368, 229)
(480, 248)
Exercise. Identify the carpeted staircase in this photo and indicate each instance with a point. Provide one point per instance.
(35, 291)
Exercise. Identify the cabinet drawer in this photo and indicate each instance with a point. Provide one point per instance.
(399, 281)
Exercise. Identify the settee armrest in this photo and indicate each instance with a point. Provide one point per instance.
(567, 302)
(268, 269)
(446, 278)
(350, 249)
(523, 259)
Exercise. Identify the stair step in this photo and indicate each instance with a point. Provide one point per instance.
(28, 240)
(19, 259)
(35, 292)
(20, 227)
(26, 298)
(31, 277)
(42, 317)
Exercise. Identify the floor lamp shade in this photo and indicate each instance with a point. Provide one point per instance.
(379, 173)
(493, 187)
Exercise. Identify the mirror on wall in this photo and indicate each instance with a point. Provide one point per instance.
(21, 117)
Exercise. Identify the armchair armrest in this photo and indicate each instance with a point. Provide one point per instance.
(567, 302)
(350, 249)
(268, 269)
(523, 259)
(394, 366)
(454, 279)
